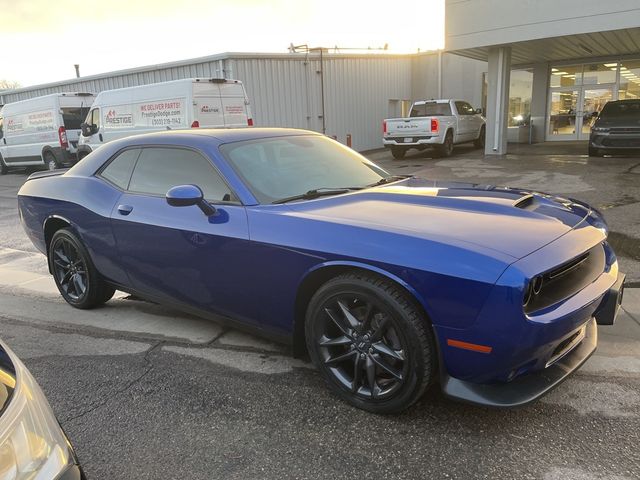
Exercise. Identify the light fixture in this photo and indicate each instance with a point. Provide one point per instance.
(554, 69)
(560, 73)
(611, 65)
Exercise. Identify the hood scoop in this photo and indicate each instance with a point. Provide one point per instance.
(526, 202)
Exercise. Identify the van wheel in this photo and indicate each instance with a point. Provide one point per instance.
(50, 161)
(3, 168)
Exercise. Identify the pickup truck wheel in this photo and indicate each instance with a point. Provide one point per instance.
(398, 152)
(446, 149)
(3, 167)
(479, 142)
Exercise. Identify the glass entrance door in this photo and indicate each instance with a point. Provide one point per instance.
(572, 111)
(563, 108)
(593, 99)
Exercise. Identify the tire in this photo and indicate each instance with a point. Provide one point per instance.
(479, 142)
(50, 161)
(446, 149)
(372, 345)
(595, 152)
(3, 168)
(77, 279)
(398, 152)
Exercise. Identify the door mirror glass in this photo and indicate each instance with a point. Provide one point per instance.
(187, 196)
(88, 129)
(479, 111)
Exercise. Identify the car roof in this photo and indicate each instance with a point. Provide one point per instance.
(227, 135)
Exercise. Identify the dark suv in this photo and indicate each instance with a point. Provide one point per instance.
(617, 129)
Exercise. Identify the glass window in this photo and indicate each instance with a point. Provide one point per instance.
(94, 117)
(1, 129)
(629, 80)
(566, 76)
(278, 168)
(431, 109)
(464, 108)
(118, 171)
(562, 119)
(159, 169)
(597, 73)
(520, 88)
(621, 110)
(72, 117)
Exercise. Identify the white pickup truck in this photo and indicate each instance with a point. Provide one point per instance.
(434, 123)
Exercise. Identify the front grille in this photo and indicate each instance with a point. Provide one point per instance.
(625, 130)
(568, 279)
(622, 142)
(566, 346)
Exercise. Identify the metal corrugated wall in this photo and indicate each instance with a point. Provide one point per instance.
(285, 90)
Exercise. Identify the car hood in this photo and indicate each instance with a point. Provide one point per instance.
(510, 221)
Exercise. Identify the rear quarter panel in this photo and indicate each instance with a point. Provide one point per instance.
(84, 202)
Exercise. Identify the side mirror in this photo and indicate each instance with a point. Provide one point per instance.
(187, 196)
(88, 130)
(478, 111)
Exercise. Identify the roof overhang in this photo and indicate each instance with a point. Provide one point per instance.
(622, 43)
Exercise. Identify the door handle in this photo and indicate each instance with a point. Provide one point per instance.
(100, 137)
(125, 209)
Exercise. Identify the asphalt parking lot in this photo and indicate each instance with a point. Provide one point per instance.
(145, 392)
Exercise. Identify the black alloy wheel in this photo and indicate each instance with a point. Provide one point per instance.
(75, 276)
(3, 167)
(398, 152)
(370, 343)
(446, 149)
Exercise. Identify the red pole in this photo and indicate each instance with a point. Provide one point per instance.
(349, 140)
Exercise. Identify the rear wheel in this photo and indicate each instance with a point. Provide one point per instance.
(77, 279)
(479, 142)
(50, 161)
(398, 152)
(370, 342)
(446, 149)
(3, 168)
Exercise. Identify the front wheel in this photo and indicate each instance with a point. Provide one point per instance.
(595, 152)
(77, 279)
(479, 142)
(370, 342)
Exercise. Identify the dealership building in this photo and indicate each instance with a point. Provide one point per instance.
(540, 69)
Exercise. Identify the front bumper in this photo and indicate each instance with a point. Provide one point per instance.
(527, 388)
(615, 141)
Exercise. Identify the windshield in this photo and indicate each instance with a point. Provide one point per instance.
(432, 109)
(621, 109)
(72, 117)
(282, 167)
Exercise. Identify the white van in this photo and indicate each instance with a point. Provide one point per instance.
(187, 103)
(43, 130)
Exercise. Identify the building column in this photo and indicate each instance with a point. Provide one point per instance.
(539, 97)
(498, 100)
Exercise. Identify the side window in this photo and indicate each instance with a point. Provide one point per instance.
(118, 171)
(1, 129)
(159, 169)
(95, 117)
(469, 109)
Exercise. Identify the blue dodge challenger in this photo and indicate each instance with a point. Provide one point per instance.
(389, 283)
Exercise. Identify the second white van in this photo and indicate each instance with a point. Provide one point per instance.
(178, 104)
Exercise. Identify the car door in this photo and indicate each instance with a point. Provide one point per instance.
(464, 121)
(178, 254)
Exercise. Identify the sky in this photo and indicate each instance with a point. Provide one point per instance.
(43, 39)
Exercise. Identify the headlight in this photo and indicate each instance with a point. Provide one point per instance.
(32, 445)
